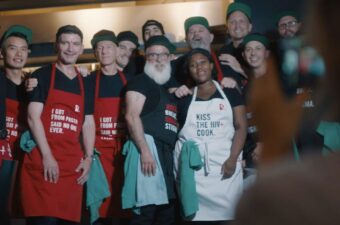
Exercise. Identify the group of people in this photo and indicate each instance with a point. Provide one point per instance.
(169, 131)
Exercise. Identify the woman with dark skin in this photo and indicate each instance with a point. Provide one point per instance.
(214, 118)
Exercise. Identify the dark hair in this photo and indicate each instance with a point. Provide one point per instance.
(150, 23)
(195, 51)
(69, 29)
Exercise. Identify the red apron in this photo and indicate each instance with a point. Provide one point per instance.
(16, 115)
(5, 150)
(62, 118)
(110, 136)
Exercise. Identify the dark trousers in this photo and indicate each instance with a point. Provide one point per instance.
(43, 220)
(209, 223)
(111, 221)
(155, 215)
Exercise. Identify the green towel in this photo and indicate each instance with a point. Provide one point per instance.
(331, 133)
(97, 188)
(189, 161)
(27, 142)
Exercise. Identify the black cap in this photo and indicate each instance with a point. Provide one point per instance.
(128, 36)
(160, 40)
(103, 35)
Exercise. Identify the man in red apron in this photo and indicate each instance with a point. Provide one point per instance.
(198, 35)
(151, 112)
(107, 87)
(14, 51)
(53, 172)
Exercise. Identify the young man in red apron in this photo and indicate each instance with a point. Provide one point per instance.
(53, 172)
(14, 52)
(107, 87)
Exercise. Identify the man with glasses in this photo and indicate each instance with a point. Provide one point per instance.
(288, 24)
(152, 124)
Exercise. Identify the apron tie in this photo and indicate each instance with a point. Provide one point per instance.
(206, 159)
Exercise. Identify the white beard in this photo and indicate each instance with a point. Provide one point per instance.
(160, 77)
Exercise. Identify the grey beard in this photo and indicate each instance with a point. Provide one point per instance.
(160, 77)
(199, 44)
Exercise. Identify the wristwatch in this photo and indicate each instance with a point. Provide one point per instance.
(3, 133)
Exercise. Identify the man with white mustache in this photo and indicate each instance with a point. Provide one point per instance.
(152, 124)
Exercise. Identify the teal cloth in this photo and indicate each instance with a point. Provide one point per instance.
(189, 161)
(97, 187)
(140, 190)
(27, 142)
(331, 133)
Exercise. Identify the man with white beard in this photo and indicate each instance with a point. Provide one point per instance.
(152, 124)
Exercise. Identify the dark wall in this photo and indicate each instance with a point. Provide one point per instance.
(264, 12)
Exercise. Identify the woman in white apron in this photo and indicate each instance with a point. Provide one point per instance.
(214, 119)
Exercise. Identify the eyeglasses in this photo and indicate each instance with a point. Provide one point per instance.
(160, 56)
(289, 24)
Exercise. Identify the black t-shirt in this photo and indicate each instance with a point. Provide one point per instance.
(16, 92)
(143, 84)
(62, 82)
(109, 86)
(237, 53)
(232, 95)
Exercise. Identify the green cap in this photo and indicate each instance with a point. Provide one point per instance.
(26, 32)
(195, 20)
(160, 40)
(128, 36)
(238, 6)
(256, 37)
(286, 13)
(103, 35)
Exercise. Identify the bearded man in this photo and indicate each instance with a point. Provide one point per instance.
(152, 125)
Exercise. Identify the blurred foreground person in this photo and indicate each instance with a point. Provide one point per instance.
(307, 192)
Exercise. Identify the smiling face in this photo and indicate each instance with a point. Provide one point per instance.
(124, 52)
(106, 52)
(255, 54)
(200, 68)
(288, 26)
(238, 26)
(15, 52)
(151, 31)
(198, 36)
(69, 47)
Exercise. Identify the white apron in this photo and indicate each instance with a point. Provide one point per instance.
(210, 124)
